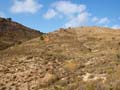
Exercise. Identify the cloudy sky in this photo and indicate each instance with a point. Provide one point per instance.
(49, 15)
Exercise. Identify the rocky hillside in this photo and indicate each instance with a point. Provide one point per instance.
(12, 33)
(85, 58)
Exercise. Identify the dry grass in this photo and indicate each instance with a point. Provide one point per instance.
(62, 62)
(71, 65)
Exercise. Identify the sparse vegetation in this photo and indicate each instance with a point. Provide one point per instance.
(84, 58)
(70, 65)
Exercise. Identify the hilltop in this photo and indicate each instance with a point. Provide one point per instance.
(83, 58)
(12, 33)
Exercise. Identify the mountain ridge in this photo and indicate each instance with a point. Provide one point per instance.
(12, 33)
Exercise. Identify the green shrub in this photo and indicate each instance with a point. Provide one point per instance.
(41, 37)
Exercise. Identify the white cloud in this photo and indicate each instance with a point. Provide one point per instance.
(25, 6)
(103, 20)
(75, 14)
(95, 19)
(80, 20)
(116, 27)
(50, 14)
(67, 7)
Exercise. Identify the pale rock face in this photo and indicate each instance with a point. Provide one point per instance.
(87, 77)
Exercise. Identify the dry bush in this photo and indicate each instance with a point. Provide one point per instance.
(71, 65)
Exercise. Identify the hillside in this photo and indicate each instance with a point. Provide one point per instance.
(12, 33)
(84, 58)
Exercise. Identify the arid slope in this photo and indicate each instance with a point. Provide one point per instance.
(85, 58)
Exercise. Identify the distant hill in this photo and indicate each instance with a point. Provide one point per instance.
(12, 33)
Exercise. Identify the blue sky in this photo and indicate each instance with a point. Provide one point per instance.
(49, 15)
